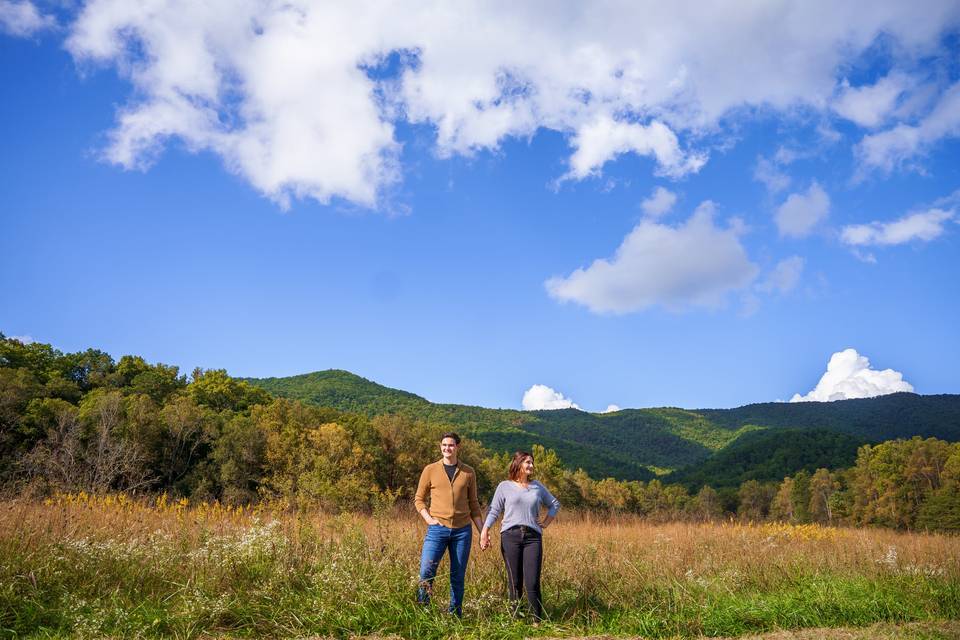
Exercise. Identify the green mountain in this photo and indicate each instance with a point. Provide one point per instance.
(770, 454)
(898, 415)
(636, 444)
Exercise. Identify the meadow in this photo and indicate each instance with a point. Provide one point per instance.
(82, 566)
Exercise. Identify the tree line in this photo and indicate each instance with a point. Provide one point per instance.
(82, 421)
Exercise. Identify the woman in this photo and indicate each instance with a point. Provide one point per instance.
(519, 499)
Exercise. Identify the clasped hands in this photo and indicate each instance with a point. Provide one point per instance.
(484, 539)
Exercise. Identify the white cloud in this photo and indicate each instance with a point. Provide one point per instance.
(611, 408)
(281, 90)
(797, 216)
(849, 375)
(951, 201)
(540, 397)
(869, 106)
(22, 19)
(900, 145)
(694, 264)
(786, 155)
(921, 225)
(769, 173)
(22, 339)
(784, 277)
(604, 139)
(659, 203)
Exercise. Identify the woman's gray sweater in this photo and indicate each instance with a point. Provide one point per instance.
(519, 505)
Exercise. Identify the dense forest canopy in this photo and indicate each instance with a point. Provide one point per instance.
(85, 422)
(635, 444)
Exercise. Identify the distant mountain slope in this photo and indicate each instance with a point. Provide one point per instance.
(342, 390)
(633, 443)
(498, 429)
(769, 455)
(897, 415)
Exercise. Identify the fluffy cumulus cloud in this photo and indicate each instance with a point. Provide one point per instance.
(611, 408)
(849, 376)
(659, 203)
(801, 212)
(604, 139)
(920, 226)
(22, 339)
(694, 264)
(540, 396)
(23, 19)
(301, 98)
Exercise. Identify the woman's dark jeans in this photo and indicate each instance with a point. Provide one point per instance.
(522, 549)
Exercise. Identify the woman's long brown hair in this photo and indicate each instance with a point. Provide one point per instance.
(518, 458)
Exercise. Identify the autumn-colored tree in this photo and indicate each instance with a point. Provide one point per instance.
(217, 390)
(941, 510)
(612, 495)
(406, 445)
(706, 506)
(823, 486)
(893, 480)
(317, 456)
(755, 499)
(781, 508)
(239, 461)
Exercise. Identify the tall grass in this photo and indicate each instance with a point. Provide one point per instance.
(85, 566)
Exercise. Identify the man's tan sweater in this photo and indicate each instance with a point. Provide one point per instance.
(455, 503)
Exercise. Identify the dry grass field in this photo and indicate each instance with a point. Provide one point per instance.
(81, 566)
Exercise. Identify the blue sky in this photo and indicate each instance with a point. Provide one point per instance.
(692, 206)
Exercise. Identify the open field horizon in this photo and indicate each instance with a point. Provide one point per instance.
(81, 566)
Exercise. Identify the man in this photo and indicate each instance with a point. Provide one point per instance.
(451, 488)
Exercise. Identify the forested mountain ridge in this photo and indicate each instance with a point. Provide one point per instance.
(84, 422)
(897, 415)
(631, 443)
(343, 390)
(766, 455)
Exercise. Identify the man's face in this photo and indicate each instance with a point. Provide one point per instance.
(448, 448)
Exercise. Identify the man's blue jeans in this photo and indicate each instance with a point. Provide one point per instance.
(439, 539)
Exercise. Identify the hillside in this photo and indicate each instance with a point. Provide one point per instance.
(769, 455)
(887, 417)
(636, 443)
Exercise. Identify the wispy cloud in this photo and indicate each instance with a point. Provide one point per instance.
(694, 264)
(899, 146)
(22, 19)
(921, 226)
(769, 173)
(849, 375)
(784, 276)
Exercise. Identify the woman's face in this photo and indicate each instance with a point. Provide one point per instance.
(527, 466)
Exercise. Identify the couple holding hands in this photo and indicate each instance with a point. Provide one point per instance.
(451, 488)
